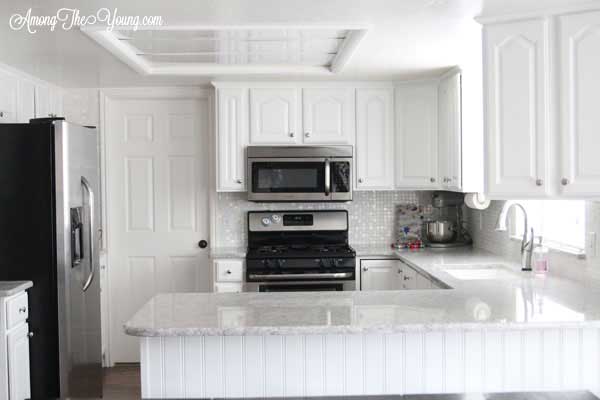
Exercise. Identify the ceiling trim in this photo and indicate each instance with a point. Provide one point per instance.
(127, 54)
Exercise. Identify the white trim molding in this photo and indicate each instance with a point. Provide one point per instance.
(113, 42)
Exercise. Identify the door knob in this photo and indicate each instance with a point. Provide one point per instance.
(202, 244)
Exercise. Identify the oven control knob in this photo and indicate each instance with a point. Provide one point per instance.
(325, 263)
(266, 221)
(280, 263)
(275, 218)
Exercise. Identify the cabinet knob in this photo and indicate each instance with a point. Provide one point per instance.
(1, 114)
(539, 182)
(307, 134)
(407, 278)
(30, 334)
(238, 181)
(432, 180)
(228, 272)
(365, 269)
(360, 180)
(399, 271)
(292, 134)
(23, 310)
(564, 181)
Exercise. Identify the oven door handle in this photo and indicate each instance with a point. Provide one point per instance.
(327, 177)
(299, 277)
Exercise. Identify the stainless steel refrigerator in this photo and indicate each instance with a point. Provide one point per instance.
(49, 234)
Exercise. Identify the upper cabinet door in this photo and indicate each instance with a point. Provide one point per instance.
(579, 36)
(516, 68)
(450, 132)
(273, 116)
(328, 116)
(416, 136)
(232, 138)
(374, 139)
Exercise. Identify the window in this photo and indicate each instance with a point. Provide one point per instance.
(561, 223)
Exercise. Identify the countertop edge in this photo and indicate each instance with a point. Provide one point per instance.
(331, 330)
(20, 286)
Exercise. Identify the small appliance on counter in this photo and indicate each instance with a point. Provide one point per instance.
(294, 251)
(446, 228)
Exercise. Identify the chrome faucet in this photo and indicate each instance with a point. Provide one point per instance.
(526, 245)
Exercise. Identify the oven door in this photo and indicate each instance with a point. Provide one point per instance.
(301, 286)
(288, 179)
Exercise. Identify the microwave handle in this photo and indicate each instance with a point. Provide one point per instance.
(327, 177)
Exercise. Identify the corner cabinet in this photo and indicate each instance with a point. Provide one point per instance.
(374, 139)
(14, 347)
(450, 132)
(417, 136)
(579, 49)
(541, 112)
(232, 138)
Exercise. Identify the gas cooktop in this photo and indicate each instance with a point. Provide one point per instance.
(301, 251)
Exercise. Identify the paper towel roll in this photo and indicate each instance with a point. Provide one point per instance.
(477, 201)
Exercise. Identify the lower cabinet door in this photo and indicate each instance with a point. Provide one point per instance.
(18, 363)
(379, 275)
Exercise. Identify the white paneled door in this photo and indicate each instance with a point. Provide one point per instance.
(157, 202)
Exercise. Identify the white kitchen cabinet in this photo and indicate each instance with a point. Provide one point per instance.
(374, 139)
(26, 101)
(18, 363)
(450, 132)
(328, 115)
(14, 347)
(232, 138)
(579, 66)
(379, 274)
(416, 136)
(228, 275)
(8, 97)
(517, 108)
(274, 116)
(409, 277)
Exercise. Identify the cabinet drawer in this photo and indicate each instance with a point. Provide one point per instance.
(17, 310)
(229, 270)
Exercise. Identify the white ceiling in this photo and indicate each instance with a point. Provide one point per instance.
(407, 38)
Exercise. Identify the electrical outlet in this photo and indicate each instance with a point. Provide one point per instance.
(592, 244)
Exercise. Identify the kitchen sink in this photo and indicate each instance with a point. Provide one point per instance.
(480, 272)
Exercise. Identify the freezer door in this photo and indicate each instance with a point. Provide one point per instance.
(78, 244)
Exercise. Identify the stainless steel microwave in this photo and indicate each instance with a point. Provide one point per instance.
(299, 173)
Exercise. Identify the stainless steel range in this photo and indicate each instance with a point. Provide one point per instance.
(299, 251)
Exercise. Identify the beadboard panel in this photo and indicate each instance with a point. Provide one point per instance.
(450, 361)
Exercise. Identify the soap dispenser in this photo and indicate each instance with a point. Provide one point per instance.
(540, 258)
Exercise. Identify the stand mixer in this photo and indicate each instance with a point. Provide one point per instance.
(446, 229)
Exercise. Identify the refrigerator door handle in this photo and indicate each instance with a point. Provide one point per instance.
(86, 185)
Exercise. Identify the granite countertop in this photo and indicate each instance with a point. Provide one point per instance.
(487, 291)
(9, 288)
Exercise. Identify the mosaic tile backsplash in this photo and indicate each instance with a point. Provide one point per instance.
(371, 215)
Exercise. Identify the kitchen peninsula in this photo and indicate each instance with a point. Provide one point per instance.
(497, 329)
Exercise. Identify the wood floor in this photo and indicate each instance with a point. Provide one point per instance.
(123, 383)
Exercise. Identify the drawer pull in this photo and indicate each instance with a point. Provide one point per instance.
(23, 310)
(228, 272)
